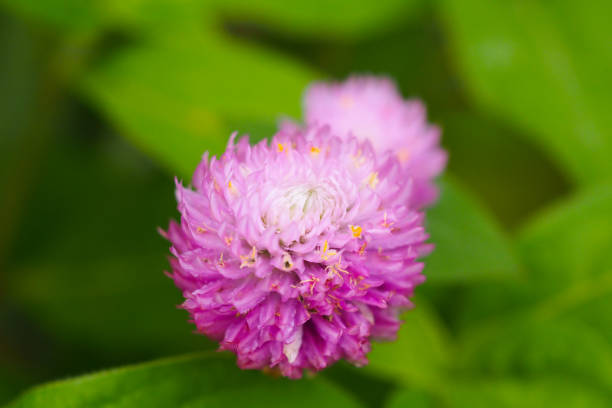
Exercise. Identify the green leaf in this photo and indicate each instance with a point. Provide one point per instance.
(568, 251)
(321, 18)
(192, 381)
(559, 319)
(571, 241)
(87, 266)
(315, 18)
(76, 16)
(549, 392)
(117, 308)
(155, 16)
(534, 347)
(410, 398)
(176, 101)
(544, 66)
(420, 354)
(73, 15)
(469, 244)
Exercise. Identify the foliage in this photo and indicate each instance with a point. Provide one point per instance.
(185, 381)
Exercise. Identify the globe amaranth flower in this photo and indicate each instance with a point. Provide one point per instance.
(371, 108)
(297, 253)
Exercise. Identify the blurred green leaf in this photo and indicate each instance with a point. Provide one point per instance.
(420, 353)
(544, 66)
(571, 242)
(568, 251)
(88, 262)
(69, 14)
(321, 18)
(199, 380)
(527, 394)
(534, 347)
(408, 398)
(108, 305)
(77, 16)
(559, 319)
(155, 15)
(177, 100)
(468, 243)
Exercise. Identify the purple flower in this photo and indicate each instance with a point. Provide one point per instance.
(298, 253)
(371, 108)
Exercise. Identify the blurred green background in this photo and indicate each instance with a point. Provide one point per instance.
(103, 102)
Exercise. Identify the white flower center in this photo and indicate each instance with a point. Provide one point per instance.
(304, 203)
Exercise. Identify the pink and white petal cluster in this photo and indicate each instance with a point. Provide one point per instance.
(297, 253)
(371, 108)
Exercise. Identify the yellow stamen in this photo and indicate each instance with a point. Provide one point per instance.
(249, 260)
(327, 253)
(232, 188)
(373, 179)
(315, 151)
(280, 147)
(336, 269)
(313, 282)
(356, 229)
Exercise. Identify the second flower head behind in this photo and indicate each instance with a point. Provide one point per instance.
(297, 253)
(371, 108)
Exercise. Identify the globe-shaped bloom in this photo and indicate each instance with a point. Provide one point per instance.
(297, 253)
(371, 108)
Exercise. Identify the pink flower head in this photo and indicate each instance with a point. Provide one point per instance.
(295, 254)
(371, 108)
